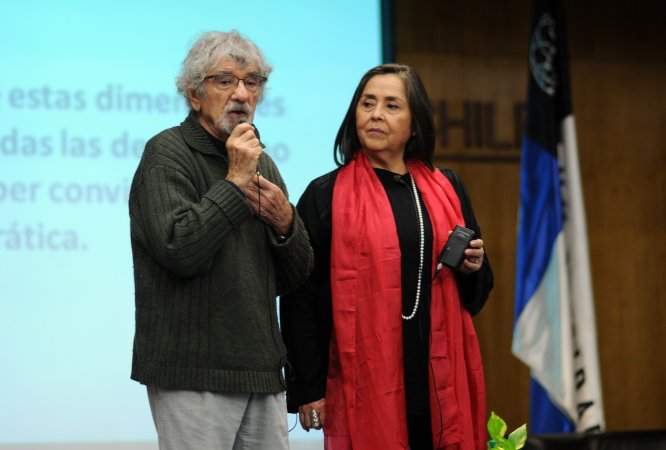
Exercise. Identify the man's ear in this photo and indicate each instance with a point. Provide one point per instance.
(195, 102)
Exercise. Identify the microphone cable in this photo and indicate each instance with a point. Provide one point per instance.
(259, 191)
(268, 278)
(295, 423)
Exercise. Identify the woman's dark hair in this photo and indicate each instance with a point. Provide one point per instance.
(422, 143)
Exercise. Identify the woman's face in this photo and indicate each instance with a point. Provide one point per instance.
(383, 118)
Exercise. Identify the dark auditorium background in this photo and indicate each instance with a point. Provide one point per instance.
(472, 57)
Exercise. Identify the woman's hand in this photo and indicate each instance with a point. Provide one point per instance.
(473, 257)
(311, 411)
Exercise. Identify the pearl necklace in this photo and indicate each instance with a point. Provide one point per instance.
(417, 203)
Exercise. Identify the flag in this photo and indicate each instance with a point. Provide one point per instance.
(554, 330)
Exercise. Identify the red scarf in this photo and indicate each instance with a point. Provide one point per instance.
(365, 395)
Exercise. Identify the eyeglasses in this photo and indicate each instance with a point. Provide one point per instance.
(227, 80)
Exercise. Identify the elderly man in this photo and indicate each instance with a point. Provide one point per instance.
(214, 240)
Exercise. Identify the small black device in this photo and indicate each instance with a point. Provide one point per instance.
(453, 253)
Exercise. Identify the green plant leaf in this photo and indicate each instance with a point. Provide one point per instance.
(519, 436)
(496, 428)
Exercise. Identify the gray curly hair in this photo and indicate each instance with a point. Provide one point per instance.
(206, 53)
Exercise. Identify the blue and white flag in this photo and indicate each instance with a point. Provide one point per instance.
(554, 331)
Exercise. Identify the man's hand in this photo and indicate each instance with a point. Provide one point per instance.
(244, 151)
(269, 203)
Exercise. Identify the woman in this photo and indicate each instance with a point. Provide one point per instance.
(381, 345)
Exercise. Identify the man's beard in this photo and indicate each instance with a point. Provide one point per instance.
(228, 122)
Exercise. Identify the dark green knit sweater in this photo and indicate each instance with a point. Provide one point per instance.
(206, 271)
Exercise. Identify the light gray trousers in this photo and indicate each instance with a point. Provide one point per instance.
(202, 420)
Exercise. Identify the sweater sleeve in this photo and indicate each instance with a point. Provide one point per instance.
(181, 227)
(474, 288)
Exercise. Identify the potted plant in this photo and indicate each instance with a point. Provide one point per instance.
(497, 431)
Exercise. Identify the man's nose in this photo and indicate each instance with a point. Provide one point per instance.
(240, 92)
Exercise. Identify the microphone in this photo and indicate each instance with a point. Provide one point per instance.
(254, 130)
(398, 179)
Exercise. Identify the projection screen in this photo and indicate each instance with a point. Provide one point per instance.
(83, 86)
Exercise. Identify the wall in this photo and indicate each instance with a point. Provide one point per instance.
(472, 58)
